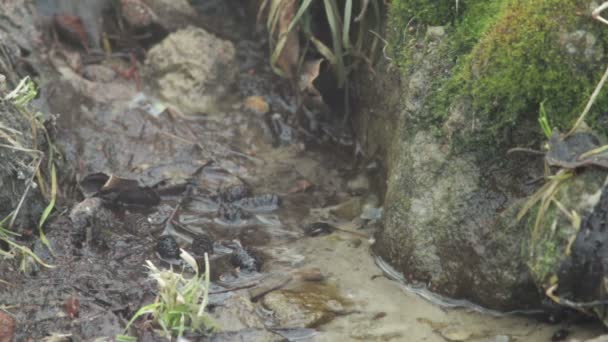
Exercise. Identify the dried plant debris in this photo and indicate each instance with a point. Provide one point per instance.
(117, 190)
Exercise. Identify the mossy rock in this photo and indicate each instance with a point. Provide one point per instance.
(463, 99)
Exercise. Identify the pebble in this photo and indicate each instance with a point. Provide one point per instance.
(306, 308)
(259, 203)
(349, 209)
(318, 229)
(246, 259)
(257, 104)
(231, 213)
(7, 327)
(98, 73)
(202, 244)
(234, 192)
(237, 313)
(455, 333)
(167, 247)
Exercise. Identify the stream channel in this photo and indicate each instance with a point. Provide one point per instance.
(287, 215)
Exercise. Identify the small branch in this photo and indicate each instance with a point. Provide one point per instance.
(27, 190)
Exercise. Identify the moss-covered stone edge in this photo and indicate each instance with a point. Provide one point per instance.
(507, 60)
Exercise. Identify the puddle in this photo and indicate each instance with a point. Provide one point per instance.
(226, 185)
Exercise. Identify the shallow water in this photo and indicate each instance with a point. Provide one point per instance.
(235, 146)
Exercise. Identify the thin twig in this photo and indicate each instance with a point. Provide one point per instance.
(525, 150)
(575, 305)
(27, 189)
(592, 99)
(234, 288)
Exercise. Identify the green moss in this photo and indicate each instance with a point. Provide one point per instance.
(547, 263)
(509, 56)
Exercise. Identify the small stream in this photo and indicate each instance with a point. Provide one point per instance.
(289, 218)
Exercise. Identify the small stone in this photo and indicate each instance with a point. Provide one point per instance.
(90, 218)
(309, 274)
(237, 313)
(7, 327)
(167, 247)
(234, 192)
(259, 203)
(306, 308)
(137, 14)
(348, 210)
(72, 307)
(358, 184)
(318, 229)
(231, 213)
(247, 259)
(202, 244)
(210, 72)
(257, 104)
(455, 333)
(98, 73)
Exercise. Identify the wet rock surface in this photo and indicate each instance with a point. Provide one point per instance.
(308, 307)
(449, 215)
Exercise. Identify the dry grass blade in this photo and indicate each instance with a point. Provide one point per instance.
(361, 15)
(27, 190)
(309, 73)
(284, 36)
(49, 208)
(290, 53)
(333, 18)
(324, 50)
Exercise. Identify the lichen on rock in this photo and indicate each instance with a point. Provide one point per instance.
(191, 68)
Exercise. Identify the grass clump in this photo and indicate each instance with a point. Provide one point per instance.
(344, 33)
(21, 98)
(180, 305)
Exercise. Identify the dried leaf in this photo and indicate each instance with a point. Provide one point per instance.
(72, 307)
(288, 58)
(7, 327)
(308, 74)
(257, 104)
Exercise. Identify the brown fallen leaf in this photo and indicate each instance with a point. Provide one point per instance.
(308, 74)
(72, 307)
(301, 186)
(288, 58)
(257, 104)
(7, 327)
